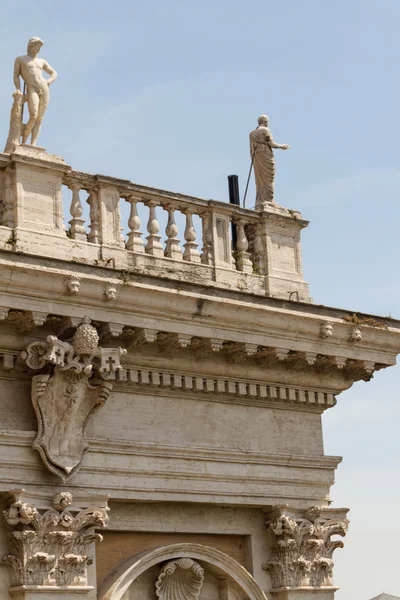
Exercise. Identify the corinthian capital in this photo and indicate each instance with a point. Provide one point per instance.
(303, 546)
(49, 542)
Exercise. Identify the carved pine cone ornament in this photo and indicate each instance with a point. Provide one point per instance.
(86, 339)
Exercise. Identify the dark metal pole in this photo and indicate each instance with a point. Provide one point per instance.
(248, 178)
(234, 198)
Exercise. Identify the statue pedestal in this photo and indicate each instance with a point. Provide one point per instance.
(29, 151)
(33, 183)
(282, 263)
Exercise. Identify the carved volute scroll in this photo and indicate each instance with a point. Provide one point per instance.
(180, 579)
(303, 549)
(50, 547)
(71, 389)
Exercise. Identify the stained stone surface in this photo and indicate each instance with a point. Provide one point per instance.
(209, 446)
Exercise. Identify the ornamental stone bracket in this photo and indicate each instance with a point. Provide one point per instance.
(302, 550)
(182, 578)
(50, 544)
(69, 390)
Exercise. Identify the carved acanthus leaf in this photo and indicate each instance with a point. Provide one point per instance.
(110, 331)
(142, 337)
(329, 364)
(50, 546)
(303, 549)
(301, 360)
(203, 347)
(180, 579)
(30, 320)
(268, 357)
(359, 369)
(239, 351)
(172, 342)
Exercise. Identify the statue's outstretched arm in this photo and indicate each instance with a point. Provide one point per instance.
(50, 71)
(273, 144)
(17, 73)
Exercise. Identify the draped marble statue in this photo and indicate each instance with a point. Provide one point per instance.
(36, 94)
(261, 145)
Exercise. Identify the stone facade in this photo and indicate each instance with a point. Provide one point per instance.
(160, 424)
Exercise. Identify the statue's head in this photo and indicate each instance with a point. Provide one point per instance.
(34, 44)
(263, 120)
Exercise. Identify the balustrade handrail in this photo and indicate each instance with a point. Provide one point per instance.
(127, 188)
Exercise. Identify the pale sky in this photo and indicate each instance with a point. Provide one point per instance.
(165, 93)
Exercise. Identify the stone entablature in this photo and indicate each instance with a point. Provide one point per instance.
(265, 261)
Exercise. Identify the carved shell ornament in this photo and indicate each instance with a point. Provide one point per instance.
(180, 579)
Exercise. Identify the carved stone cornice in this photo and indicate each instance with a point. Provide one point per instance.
(110, 331)
(27, 321)
(48, 547)
(268, 357)
(359, 369)
(203, 347)
(349, 367)
(172, 342)
(301, 360)
(329, 364)
(237, 352)
(303, 548)
(64, 397)
(66, 326)
(141, 337)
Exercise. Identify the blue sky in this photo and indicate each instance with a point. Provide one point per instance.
(165, 93)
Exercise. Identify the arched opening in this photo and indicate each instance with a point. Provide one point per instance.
(234, 581)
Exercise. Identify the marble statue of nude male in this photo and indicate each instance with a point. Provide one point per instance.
(30, 68)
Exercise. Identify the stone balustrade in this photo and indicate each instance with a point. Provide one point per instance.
(195, 246)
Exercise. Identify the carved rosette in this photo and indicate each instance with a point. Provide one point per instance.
(180, 579)
(68, 393)
(303, 549)
(50, 547)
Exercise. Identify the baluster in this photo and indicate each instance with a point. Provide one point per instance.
(258, 251)
(207, 257)
(243, 263)
(191, 253)
(77, 229)
(93, 201)
(172, 247)
(135, 241)
(8, 200)
(153, 247)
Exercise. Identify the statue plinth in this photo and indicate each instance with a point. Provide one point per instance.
(29, 151)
